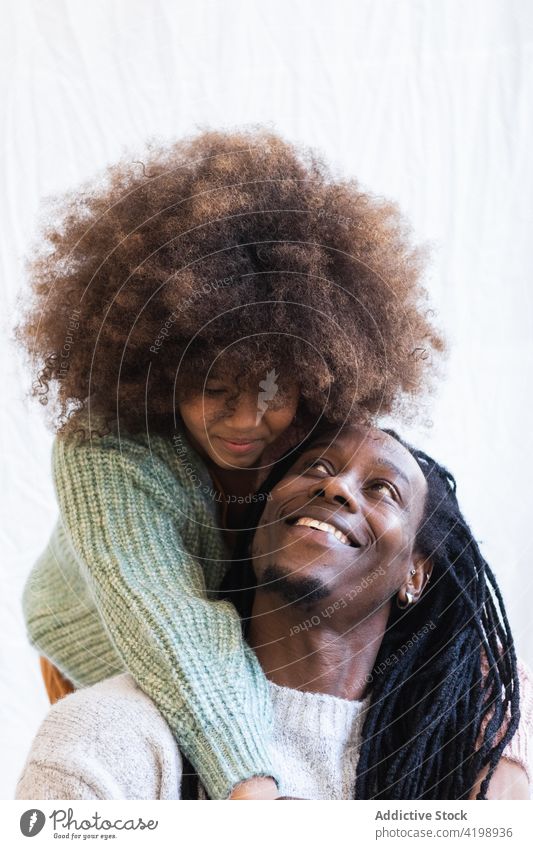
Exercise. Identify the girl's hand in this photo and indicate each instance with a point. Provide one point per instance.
(256, 788)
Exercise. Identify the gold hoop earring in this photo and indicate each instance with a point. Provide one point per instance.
(409, 600)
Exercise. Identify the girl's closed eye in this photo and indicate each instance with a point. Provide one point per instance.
(215, 391)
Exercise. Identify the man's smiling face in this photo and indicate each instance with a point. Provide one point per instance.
(349, 505)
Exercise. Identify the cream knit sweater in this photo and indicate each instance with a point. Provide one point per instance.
(109, 741)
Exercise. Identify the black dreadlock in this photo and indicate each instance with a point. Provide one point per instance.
(434, 717)
(423, 737)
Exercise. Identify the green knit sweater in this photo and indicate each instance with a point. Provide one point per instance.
(128, 582)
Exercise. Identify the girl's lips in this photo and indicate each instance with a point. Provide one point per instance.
(240, 447)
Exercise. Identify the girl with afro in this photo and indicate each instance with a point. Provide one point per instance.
(192, 318)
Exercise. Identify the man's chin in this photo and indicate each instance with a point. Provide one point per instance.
(294, 589)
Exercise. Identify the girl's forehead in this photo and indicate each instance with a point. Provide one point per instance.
(248, 378)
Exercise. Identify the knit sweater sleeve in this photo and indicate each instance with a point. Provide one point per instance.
(129, 521)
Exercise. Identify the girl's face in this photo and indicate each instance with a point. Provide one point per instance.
(233, 427)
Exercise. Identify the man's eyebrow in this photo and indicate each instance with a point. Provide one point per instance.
(388, 464)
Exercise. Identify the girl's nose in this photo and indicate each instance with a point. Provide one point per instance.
(243, 413)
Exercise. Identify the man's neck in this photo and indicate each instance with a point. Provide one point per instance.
(305, 650)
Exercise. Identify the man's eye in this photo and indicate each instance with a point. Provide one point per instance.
(317, 465)
(385, 487)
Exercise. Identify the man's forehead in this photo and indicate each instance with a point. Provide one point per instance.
(356, 441)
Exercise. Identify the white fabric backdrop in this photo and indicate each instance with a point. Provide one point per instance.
(424, 101)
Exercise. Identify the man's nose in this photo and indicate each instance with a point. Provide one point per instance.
(336, 490)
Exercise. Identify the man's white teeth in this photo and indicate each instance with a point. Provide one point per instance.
(323, 526)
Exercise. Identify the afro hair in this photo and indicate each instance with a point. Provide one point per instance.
(224, 250)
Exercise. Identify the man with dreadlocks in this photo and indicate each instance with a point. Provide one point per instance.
(382, 633)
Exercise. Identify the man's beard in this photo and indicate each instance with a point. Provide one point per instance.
(292, 588)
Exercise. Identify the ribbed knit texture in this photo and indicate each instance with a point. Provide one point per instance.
(316, 742)
(110, 742)
(128, 582)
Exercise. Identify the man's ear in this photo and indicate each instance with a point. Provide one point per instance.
(423, 567)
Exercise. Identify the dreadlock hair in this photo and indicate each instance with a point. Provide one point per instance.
(436, 719)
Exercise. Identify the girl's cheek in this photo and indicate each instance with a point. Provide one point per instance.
(280, 420)
(207, 412)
